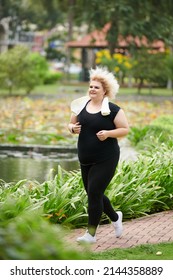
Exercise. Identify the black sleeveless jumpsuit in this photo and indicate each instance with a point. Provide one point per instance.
(98, 161)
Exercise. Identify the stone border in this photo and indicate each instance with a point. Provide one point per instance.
(37, 148)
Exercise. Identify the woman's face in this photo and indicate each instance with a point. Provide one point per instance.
(96, 90)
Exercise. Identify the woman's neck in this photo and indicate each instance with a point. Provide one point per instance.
(94, 106)
(96, 102)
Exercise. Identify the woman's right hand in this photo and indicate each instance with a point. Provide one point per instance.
(76, 128)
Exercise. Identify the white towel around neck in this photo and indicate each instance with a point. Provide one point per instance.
(78, 104)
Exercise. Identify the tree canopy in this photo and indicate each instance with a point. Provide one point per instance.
(152, 18)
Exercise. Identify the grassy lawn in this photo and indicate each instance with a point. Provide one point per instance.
(145, 91)
(51, 89)
(60, 88)
(161, 251)
(81, 87)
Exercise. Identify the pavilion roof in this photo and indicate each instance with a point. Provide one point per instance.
(97, 39)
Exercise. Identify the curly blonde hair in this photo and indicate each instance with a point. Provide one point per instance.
(107, 79)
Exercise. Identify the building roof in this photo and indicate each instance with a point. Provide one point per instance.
(97, 39)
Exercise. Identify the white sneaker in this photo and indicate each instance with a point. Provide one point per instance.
(87, 238)
(118, 224)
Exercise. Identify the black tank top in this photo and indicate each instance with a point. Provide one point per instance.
(90, 148)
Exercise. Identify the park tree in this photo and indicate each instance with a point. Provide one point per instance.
(70, 14)
(149, 69)
(28, 13)
(149, 18)
(137, 18)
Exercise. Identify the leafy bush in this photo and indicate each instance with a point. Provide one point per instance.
(145, 186)
(25, 228)
(19, 68)
(118, 63)
(29, 236)
(149, 67)
(159, 131)
(165, 122)
(52, 77)
(35, 73)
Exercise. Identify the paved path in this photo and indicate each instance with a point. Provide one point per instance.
(155, 228)
(127, 152)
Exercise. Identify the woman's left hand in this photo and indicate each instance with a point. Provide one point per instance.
(102, 135)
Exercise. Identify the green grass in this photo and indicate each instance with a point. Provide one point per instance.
(146, 91)
(161, 251)
(59, 88)
(81, 87)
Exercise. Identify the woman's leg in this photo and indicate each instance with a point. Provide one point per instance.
(109, 210)
(99, 177)
(84, 172)
(96, 178)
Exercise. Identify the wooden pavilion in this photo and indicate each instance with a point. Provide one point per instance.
(96, 40)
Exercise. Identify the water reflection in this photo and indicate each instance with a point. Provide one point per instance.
(14, 169)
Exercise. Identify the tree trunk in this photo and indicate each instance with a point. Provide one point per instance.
(150, 89)
(70, 35)
(130, 81)
(140, 86)
(169, 84)
(112, 35)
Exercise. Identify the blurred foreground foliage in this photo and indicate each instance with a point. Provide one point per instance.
(30, 212)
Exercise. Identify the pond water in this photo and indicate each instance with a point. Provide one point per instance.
(35, 163)
(36, 167)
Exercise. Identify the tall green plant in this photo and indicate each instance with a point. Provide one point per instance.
(144, 187)
(65, 198)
